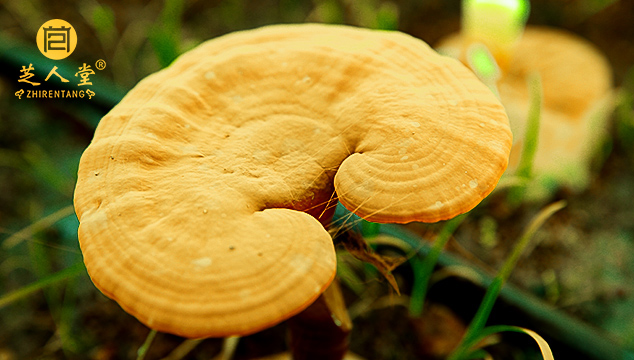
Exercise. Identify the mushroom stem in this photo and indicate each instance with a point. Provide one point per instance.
(322, 330)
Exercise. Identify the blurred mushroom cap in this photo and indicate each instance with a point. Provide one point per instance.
(196, 194)
(577, 96)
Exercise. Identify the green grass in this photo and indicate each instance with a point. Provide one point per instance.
(531, 139)
(477, 330)
(44, 282)
(424, 268)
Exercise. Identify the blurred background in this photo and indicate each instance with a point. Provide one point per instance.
(582, 267)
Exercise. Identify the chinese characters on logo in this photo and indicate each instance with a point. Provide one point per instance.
(84, 72)
(54, 71)
(84, 79)
(27, 75)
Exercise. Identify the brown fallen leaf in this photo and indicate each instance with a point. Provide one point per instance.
(356, 245)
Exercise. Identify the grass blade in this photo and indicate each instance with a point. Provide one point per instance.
(37, 226)
(482, 315)
(62, 275)
(146, 345)
(547, 353)
(424, 268)
(183, 349)
(531, 138)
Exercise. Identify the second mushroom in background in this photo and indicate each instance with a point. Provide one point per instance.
(577, 94)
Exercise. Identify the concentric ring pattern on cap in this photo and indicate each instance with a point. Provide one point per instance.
(192, 196)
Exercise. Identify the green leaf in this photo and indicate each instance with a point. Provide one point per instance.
(547, 353)
(483, 63)
(387, 16)
(165, 36)
(370, 229)
(103, 21)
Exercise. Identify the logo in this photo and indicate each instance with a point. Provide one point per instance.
(56, 39)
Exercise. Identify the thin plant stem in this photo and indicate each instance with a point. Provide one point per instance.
(62, 275)
(229, 346)
(146, 345)
(531, 139)
(37, 226)
(479, 321)
(183, 349)
(424, 268)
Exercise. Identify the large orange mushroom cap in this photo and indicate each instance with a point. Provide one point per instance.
(193, 194)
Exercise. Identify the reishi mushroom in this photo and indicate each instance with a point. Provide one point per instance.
(204, 194)
(577, 99)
